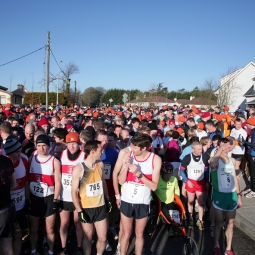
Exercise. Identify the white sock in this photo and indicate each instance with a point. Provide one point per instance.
(33, 251)
(50, 252)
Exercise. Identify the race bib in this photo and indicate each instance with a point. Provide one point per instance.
(18, 197)
(67, 181)
(107, 171)
(225, 180)
(39, 189)
(175, 215)
(94, 189)
(135, 190)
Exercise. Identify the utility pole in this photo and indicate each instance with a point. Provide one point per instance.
(47, 69)
(74, 92)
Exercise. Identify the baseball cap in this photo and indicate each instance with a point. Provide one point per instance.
(43, 139)
(206, 115)
(72, 137)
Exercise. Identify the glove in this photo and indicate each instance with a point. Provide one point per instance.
(55, 205)
(82, 217)
(27, 206)
(108, 205)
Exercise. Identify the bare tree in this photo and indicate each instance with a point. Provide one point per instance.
(207, 91)
(229, 89)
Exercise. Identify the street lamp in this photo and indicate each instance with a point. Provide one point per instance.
(58, 81)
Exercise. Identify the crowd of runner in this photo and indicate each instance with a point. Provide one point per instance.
(96, 169)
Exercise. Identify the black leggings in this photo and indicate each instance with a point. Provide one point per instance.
(251, 161)
(166, 207)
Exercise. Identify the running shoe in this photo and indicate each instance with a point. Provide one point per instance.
(78, 251)
(229, 252)
(117, 252)
(245, 192)
(108, 247)
(35, 253)
(200, 224)
(114, 233)
(212, 231)
(250, 194)
(63, 252)
(216, 251)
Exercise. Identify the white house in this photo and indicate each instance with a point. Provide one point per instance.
(234, 86)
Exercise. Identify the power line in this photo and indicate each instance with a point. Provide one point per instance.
(58, 64)
(22, 56)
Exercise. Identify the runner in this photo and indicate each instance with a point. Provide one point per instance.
(167, 188)
(139, 179)
(196, 165)
(69, 159)
(226, 196)
(7, 208)
(20, 194)
(45, 186)
(89, 192)
(109, 158)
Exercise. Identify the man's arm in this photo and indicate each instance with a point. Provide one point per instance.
(106, 194)
(13, 181)
(152, 184)
(77, 173)
(118, 169)
(123, 168)
(238, 192)
(57, 178)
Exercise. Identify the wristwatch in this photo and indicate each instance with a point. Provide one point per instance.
(140, 176)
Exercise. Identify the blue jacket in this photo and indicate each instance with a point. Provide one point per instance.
(251, 143)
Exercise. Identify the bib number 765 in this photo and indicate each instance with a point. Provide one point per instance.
(95, 186)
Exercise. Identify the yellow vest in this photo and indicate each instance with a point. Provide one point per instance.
(91, 187)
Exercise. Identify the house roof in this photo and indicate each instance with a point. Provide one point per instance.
(233, 75)
(250, 92)
(4, 91)
(19, 92)
(202, 101)
(152, 99)
(251, 102)
(183, 101)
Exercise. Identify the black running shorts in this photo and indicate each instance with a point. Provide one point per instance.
(21, 220)
(95, 214)
(138, 211)
(41, 206)
(66, 206)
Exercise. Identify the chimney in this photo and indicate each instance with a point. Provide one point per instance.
(20, 86)
(191, 98)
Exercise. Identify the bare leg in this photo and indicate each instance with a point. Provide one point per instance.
(78, 227)
(101, 229)
(230, 219)
(191, 199)
(126, 232)
(34, 222)
(49, 226)
(64, 223)
(201, 202)
(88, 230)
(218, 220)
(139, 239)
(17, 241)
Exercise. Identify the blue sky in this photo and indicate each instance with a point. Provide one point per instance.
(126, 44)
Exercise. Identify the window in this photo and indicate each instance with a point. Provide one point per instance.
(3, 100)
